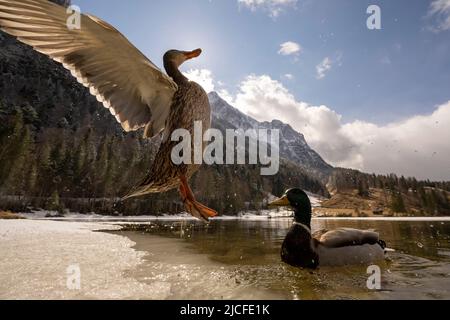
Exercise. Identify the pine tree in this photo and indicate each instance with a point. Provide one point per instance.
(32, 179)
(9, 148)
(44, 176)
(18, 158)
(55, 203)
(397, 202)
(363, 189)
(57, 164)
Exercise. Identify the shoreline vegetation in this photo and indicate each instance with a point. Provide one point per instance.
(8, 215)
(339, 205)
(318, 213)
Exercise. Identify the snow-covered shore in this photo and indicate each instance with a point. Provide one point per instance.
(36, 254)
(35, 257)
(250, 215)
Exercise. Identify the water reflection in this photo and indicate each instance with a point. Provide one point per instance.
(245, 256)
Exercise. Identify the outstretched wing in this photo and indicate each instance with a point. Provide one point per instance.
(135, 91)
(343, 237)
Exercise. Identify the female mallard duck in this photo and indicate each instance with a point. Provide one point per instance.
(343, 246)
(136, 92)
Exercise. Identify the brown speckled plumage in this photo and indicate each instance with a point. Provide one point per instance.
(126, 82)
(190, 104)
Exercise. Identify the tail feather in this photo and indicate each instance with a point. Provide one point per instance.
(138, 191)
(133, 194)
(382, 244)
(147, 185)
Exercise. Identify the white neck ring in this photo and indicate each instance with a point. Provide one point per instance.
(303, 226)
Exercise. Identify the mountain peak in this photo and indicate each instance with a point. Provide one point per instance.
(214, 95)
(276, 122)
(293, 146)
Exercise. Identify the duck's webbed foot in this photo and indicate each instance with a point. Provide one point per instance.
(192, 206)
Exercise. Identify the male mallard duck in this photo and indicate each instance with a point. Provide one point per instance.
(134, 89)
(343, 246)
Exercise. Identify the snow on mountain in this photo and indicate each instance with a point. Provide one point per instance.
(293, 146)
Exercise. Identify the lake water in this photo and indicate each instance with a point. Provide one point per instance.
(239, 259)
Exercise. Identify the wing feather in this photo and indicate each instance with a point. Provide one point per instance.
(99, 57)
(343, 237)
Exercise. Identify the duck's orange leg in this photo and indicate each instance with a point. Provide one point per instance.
(192, 206)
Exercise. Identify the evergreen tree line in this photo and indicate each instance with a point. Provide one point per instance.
(406, 194)
(80, 169)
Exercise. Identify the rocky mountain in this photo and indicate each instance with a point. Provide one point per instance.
(293, 146)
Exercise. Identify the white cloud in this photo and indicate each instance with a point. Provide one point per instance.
(323, 67)
(266, 99)
(289, 48)
(226, 95)
(417, 146)
(203, 77)
(273, 7)
(440, 9)
(289, 76)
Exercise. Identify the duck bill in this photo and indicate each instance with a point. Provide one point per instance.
(193, 54)
(281, 202)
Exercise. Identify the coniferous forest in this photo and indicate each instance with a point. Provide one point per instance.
(403, 194)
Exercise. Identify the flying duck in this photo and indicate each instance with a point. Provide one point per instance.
(138, 94)
(343, 246)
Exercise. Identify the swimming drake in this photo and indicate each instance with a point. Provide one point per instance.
(343, 246)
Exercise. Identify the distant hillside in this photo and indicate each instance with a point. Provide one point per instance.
(386, 194)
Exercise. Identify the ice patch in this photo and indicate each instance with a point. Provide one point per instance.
(35, 256)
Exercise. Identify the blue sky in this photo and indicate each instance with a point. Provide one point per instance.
(381, 78)
(385, 75)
